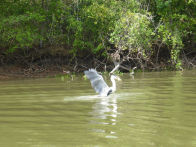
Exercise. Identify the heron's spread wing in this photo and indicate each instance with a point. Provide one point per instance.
(97, 81)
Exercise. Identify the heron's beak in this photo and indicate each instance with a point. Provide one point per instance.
(118, 78)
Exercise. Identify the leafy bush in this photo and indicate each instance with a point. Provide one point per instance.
(133, 32)
(132, 28)
(20, 32)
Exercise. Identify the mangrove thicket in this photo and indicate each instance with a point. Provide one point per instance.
(149, 34)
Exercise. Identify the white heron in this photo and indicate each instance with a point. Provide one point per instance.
(98, 83)
(132, 73)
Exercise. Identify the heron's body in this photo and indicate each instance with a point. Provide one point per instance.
(99, 84)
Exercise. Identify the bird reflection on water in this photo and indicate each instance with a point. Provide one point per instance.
(104, 113)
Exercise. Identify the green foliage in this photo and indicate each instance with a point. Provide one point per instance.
(133, 32)
(20, 31)
(119, 73)
(177, 20)
(84, 77)
(93, 27)
(90, 27)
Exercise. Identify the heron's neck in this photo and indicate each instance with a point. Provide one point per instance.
(132, 73)
(113, 84)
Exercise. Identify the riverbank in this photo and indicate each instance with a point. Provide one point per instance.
(17, 71)
(9, 72)
(54, 66)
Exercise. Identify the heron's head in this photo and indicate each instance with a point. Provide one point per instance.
(134, 68)
(115, 77)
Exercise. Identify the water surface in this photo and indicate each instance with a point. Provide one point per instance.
(149, 109)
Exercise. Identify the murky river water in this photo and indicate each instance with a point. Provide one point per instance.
(151, 109)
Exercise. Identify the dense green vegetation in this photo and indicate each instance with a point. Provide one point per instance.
(152, 34)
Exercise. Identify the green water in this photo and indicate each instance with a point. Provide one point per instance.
(147, 110)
